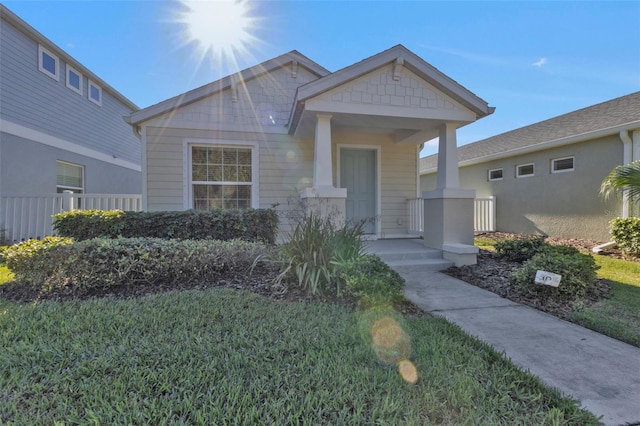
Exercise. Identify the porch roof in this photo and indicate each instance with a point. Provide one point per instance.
(410, 115)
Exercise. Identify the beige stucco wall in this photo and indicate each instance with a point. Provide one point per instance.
(565, 205)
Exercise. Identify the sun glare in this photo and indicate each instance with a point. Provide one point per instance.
(220, 29)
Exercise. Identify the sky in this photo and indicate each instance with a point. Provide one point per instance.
(531, 60)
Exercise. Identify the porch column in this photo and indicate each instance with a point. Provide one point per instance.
(448, 209)
(323, 196)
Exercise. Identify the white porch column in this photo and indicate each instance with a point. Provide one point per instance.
(448, 176)
(448, 209)
(323, 196)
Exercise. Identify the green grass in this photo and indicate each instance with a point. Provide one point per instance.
(619, 315)
(231, 357)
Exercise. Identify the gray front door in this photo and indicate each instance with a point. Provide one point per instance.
(358, 175)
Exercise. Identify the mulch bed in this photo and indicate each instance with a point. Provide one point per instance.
(494, 274)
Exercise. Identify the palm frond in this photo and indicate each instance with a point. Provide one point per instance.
(623, 178)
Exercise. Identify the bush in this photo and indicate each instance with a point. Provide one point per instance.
(258, 225)
(578, 271)
(519, 249)
(315, 248)
(104, 262)
(28, 258)
(371, 280)
(626, 233)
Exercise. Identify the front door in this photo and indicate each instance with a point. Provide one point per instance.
(358, 175)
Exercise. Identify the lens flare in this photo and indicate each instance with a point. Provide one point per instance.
(408, 371)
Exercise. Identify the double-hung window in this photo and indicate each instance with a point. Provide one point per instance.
(223, 176)
(69, 177)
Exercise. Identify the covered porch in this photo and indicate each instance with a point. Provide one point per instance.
(367, 124)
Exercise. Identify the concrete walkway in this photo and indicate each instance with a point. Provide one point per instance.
(602, 373)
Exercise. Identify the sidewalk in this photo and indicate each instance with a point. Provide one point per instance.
(601, 372)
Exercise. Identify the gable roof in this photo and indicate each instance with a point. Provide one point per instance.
(225, 83)
(404, 57)
(34, 34)
(598, 120)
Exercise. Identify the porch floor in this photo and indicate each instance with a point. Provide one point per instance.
(408, 255)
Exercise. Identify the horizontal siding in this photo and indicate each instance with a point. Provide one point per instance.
(34, 100)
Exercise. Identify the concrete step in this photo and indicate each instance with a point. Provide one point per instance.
(418, 265)
(418, 254)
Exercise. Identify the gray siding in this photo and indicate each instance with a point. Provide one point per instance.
(565, 205)
(34, 100)
(30, 167)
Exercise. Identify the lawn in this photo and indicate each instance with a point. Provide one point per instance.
(224, 356)
(619, 315)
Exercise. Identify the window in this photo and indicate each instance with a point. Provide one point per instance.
(74, 80)
(69, 177)
(95, 93)
(495, 174)
(222, 177)
(524, 170)
(48, 63)
(561, 165)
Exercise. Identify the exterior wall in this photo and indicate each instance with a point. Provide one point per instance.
(22, 157)
(33, 100)
(565, 205)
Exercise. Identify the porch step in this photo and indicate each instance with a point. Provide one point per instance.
(408, 255)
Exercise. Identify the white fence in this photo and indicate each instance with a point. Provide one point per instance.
(484, 215)
(25, 216)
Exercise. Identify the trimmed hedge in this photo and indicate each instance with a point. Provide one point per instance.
(626, 233)
(578, 271)
(372, 281)
(258, 225)
(519, 249)
(104, 262)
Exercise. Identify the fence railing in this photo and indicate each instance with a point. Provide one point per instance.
(484, 214)
(25, 216)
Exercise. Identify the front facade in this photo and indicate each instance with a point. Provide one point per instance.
(546, 177)
(289, 130)
(61, 126)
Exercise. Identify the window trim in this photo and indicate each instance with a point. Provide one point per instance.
(70, 69)
(495, 170)
(519, 175)
(187, 163)
(71, 188)
(573, 164)
(92, 84)
(55, 75)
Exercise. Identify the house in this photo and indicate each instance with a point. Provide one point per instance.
(61, 126)
(290, 129)
(546, 176)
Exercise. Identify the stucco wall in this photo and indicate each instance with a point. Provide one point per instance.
(565, 205)
(30, 167)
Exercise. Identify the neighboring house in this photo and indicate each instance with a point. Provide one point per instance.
(546, 176)
(61, 126)
(289, 129)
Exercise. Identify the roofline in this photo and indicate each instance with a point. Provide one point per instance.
(568, 140)
(410, 60)
(31, 32)
(224, 83)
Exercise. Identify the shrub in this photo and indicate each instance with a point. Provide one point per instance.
(259, 225)
(28, 258)
(578, 271)
(371, 280)
(103, 262)
(315, 246)
(626, 233)
(519, 249)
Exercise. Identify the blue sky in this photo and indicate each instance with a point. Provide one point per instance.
(530, 60)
